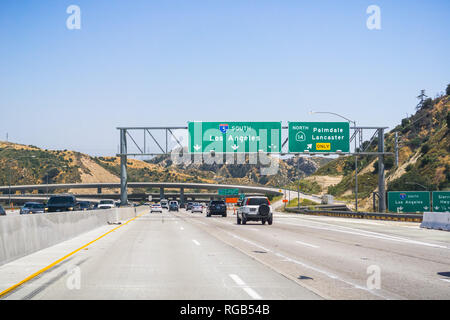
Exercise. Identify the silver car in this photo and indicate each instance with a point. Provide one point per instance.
(197, 207)
(156, 207)
(32, 207)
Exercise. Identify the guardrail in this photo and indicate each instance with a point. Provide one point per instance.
(410, 217)
(341, 207)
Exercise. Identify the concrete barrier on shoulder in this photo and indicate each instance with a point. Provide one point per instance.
(24, 234)
(436, 220)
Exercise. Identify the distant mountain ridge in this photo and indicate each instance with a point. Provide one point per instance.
(22, 164)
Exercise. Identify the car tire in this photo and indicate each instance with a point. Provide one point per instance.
(270, 220)
(244, 221)
(263, 221)
(224, 215)
(238, 221)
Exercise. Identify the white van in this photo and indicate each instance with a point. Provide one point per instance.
(164, 204)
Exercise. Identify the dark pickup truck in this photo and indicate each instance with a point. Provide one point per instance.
(62, 203)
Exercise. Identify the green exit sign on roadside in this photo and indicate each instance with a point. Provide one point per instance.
(409, 201)
(441, 201)
(234, 137)
(228, 192)
(319, 137)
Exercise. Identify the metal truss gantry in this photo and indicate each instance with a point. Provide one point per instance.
(161, 139)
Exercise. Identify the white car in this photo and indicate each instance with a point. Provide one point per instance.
(156, 207)
(106, 204)
(197, 207)
(255, 209)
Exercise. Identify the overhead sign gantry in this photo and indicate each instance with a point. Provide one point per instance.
(238, 137)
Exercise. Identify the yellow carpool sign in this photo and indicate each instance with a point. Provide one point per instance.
(323, 146)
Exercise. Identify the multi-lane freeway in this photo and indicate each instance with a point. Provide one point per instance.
(183, 255)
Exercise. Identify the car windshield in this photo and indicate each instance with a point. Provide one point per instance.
(84, 204)
(217, 202)
(60, 200)
(37, 206)
(106, 202)
(156, 205)
(257, 201)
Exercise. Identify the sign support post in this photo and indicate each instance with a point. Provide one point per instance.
(381, 186)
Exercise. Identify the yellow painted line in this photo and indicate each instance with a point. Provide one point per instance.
(62, 259)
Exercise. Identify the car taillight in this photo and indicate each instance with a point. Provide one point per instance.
(248, 200)
(268, 202)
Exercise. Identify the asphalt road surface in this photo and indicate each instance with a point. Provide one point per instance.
(183, 255)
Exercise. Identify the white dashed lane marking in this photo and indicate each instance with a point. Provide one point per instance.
(252, 293)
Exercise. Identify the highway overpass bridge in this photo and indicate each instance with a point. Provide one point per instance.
(46, 189)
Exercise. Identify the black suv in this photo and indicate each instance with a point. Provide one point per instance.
(217, 207)
(62, 203)
(86, 205)
(189, 206)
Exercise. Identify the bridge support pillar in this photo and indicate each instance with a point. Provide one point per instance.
(99, 190)
(161, 193)
(123, 167)
(182, 197)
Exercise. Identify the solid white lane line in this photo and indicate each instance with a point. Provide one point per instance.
(364, 233)
(328, 274)
(446, 280)
(307, 244)
(196, 242)
(252, 293)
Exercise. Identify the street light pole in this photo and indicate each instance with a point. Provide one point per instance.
(356, 157)
(298, 184)
(415, 183)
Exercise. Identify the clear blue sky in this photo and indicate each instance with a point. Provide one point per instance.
(167, 62)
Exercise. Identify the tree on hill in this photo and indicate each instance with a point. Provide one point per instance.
(447, 92)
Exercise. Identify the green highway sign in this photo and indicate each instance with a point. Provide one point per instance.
(234, 137)
(241, 196)
(228, 192)
(409, 201)
(441, 201)
(319, 137)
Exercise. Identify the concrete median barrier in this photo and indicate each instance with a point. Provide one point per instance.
(25, 234)
(436, 220)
